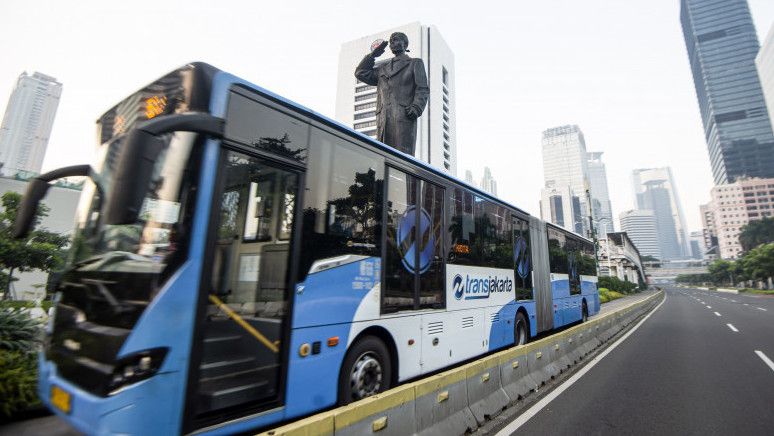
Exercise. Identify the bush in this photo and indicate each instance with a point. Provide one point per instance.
(18, 382)
(606, 295)
(19, 340)
(615, 284)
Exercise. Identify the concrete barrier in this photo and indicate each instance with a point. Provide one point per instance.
(728, 290)
(459, 400)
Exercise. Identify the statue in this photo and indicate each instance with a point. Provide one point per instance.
(402, 92)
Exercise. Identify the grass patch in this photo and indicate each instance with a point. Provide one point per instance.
(606, 295)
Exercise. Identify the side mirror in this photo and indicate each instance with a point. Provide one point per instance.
(138, 155)
(36, 190)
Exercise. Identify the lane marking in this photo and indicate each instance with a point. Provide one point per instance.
(717, 314)
(760, 308)
(709, 307)
(537, 407)
(763, 357)
(734, 301)
(731, 326)
(746, 304)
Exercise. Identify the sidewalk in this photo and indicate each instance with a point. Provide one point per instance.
(625, 301)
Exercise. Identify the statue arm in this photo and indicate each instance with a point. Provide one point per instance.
(365, 71)
(421, 89)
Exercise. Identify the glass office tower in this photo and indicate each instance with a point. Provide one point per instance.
(722, 45)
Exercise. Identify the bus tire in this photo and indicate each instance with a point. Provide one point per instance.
(584, 312)
(366, 371)
(520, 330)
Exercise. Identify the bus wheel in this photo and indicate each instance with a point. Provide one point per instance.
(366, 371)
(521, 329)
(585, 311)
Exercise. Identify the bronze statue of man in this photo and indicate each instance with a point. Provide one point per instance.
(402, 92)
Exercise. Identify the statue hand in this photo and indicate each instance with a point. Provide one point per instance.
(378, 51)
(412, 113)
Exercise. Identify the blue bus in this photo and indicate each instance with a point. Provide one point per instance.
(240, 260)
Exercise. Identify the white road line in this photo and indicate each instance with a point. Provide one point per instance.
(717, 314)
(537, 407)
(763, 357)
(709, 307)
(733, 329)
(733, 301)
(760, 308)
(746, 304)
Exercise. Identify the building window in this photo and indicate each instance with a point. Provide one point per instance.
(364, 88)
(445, 76)
(364, 115)
(371, 133)
(360, 107)
(366, 124)
(365, 97)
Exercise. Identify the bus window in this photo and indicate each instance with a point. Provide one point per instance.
(431, 279)
(493, 225)
(342, 202)
(557, 254)
(462, 229)
(522, 256)
(401, 241)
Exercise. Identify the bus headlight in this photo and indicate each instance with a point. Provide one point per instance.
(136, 367)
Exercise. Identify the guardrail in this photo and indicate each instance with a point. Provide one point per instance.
(464, 398)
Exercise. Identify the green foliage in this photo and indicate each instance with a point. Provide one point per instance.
(41, 249)
(606, 295)
(758, 263)
(18, 382)
(19, 339)
(756, 233)
(616, 284)
(725, 272)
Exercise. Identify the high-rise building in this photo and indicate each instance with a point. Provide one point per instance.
(696, 238)
(708, 231)
(602, 211)
(356, 101)
(733, 206)
(655, 189)
(469, 178)
(560, 206)
(565, 165)
(640, 225)
(488, 183)
(722, 44)
(27, 123)
(765, 65)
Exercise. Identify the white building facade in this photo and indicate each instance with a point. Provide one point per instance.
(640, 226)
(488, 183)
(356, 101)
(560, 206)
(732, 207)
(27, 124)
(565, 165)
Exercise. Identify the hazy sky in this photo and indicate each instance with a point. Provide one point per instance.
(617, 68)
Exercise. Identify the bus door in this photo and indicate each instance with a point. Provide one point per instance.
(414, 268)
(240, 350)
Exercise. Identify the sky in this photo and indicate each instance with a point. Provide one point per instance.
(618, 69)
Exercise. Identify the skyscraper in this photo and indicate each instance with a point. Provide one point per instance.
(640, 226)
(469, 178)
(488, 183)
(600, 197)
(560, 206)
(565, 165)
(655, 190)
(765, 65)
(722, 44)
(356, 101)
(27, 123)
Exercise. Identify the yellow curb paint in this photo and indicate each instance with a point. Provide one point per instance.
(379, 424)
(442, 396)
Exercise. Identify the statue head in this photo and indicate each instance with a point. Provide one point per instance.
(398, 43)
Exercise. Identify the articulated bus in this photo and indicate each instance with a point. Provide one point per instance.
(240, 261)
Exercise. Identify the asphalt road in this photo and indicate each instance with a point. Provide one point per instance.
(684, 371)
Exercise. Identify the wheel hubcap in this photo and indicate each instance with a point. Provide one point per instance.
(521, 333)
(366, 376)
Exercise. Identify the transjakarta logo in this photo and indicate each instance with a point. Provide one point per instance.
(473, 288)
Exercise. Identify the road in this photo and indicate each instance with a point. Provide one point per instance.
(701, 364)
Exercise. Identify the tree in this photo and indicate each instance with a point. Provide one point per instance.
(758, 263)
(41, 249)
(756, 233)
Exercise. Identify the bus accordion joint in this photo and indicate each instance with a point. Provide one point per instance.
(242, 323)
